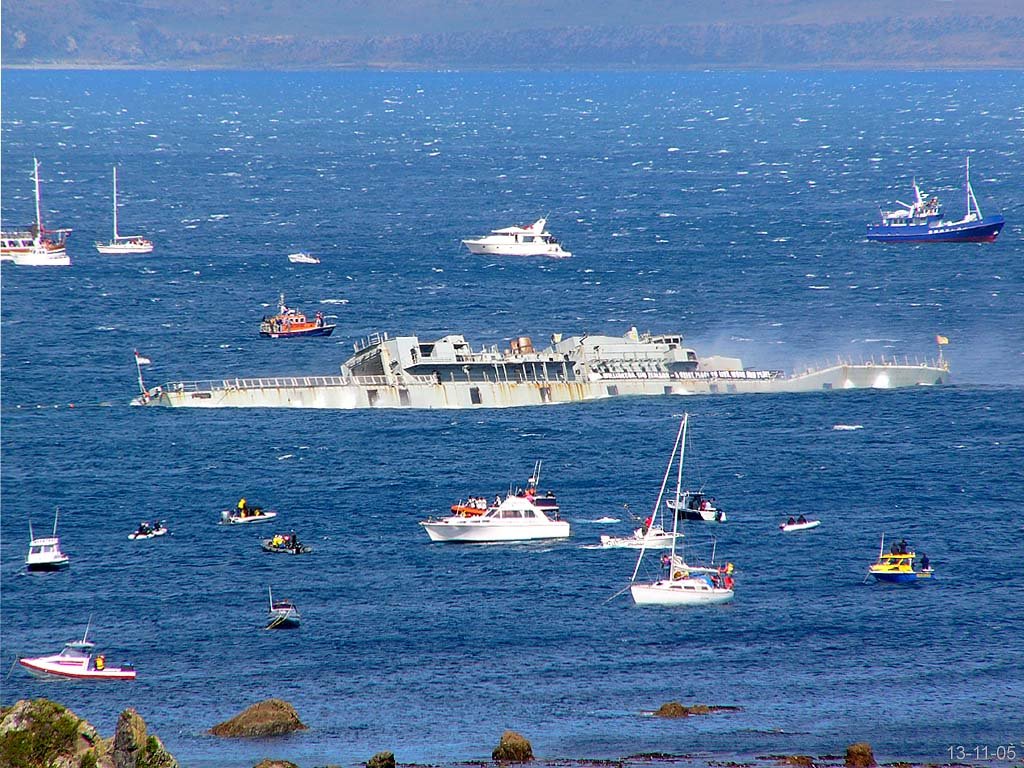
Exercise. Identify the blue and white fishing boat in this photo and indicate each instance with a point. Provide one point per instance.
(922, 221)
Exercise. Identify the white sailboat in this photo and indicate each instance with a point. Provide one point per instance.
(123, 244)
(684, 584)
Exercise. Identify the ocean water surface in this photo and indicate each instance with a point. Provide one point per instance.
(727, 206)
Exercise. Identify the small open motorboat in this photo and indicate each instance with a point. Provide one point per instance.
(285, 543)
(244, 514)
(283, 614)
(897, 565)
(44, 554)
(148, 530)
(655, 537)
(800, 524)
(77, 662)
(303, 257)
(696, 507)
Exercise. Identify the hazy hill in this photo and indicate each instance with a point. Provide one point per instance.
(513, 33)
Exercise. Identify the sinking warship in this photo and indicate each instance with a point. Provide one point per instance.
(406, 372)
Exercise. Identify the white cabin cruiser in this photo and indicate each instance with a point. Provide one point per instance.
(303, 257)
(517, 518)
(519, 241)
(44, 554)
(77, 661)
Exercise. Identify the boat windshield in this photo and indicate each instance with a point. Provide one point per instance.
(78, 649)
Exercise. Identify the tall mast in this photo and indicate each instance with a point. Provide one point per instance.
(679, 488)
(661, 494)
(39, 215)
(115, 202)
(56, 514)
(970, 193)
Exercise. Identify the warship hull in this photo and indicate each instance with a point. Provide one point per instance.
(344, 393)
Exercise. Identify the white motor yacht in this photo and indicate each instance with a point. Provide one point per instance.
(519, 241)
(517, 518)
(303, 257)
(44, 554)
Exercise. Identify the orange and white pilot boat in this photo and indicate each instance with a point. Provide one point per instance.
(290, 323)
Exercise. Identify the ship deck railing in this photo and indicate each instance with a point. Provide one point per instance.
(285, 382)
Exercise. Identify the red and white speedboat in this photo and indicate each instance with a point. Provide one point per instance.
(77, 662)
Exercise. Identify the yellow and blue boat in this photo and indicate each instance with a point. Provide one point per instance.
(897, 566)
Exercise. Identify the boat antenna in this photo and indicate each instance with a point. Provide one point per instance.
(881, 547)
(56, 514)
(30, 534)
(270, 594)
(680, 436)
(88, 624)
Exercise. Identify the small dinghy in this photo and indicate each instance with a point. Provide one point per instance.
(244, 514)
(799, 524)
(77, 662)
(285, 543)
(148, 530)
(283, 614)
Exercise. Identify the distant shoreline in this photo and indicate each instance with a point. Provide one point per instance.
(407, 67)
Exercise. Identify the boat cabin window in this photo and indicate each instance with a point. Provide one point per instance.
(34, 550)
(511, 513)
(528, 513)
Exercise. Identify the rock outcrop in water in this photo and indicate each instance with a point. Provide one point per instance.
(675, 709)
(44, 733)
(134, 747)
(272, 717)
(513, 748)
(268, 763)
(859, 755)
(382, 760)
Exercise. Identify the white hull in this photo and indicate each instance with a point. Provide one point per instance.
(228, 519)
(41, 258)
(302, 258)
(787, 528)
(654, 540)
(483, 248)
(125, 249)
(679, 592)
(349, 392)
(480, 531)
(49, 668)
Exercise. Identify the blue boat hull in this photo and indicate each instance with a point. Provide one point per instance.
(896, 578)
(984, 231)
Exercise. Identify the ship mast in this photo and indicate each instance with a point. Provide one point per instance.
(39, 215)
(115, 202)
(971, 199)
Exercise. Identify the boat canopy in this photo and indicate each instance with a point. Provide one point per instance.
(515, 507)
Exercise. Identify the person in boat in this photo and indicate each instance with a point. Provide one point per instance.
(791, 521)
(903, 547)
(319, 319)
(648, 521)
(801, 519)
(695, 501)
(894, 549)
(294, 541)
(926, 564)
(497, 500)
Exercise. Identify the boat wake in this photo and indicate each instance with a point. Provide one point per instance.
(603, 520)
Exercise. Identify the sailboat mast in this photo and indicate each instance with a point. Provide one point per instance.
(661, 494)
(39, 215)
(679, 488)
(115, 202)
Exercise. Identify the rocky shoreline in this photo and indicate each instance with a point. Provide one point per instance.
(41, 732)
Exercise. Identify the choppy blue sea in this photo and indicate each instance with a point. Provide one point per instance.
(728, 206)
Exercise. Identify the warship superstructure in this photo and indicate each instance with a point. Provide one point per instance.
(406, 372)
